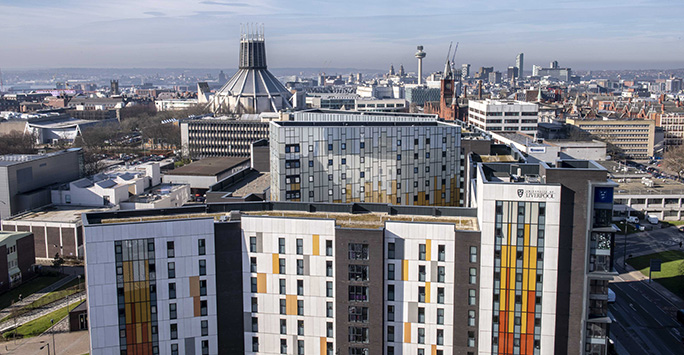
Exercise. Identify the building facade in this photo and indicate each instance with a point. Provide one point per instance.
(410, 160)
(503, 115)
(636, 137)
(16, 258)
(217, 137)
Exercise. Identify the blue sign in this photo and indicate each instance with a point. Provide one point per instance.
(603, 195)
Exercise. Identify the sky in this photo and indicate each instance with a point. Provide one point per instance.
(604, 34)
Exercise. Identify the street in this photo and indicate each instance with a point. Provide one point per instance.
(644, 314)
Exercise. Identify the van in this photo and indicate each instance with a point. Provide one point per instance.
(652, 219)
(633, 219)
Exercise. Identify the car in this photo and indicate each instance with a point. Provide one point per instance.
(652, 219)
(633, 219)
(611, 296)
(681, 229)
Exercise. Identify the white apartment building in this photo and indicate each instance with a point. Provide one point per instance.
(503, 115)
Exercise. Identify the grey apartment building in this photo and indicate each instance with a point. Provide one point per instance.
(221, 136)
(363, 278)
(328, 156)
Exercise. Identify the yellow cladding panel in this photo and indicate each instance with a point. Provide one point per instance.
(434, 349)
(275, 264)
(291, 305)
(427, 292)
(261, 283)
(428, 249)
(407, 332)
(324, 346)
(404, 270)
(526, 240)
(316, 246)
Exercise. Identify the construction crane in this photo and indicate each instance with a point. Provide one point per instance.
(454, 56)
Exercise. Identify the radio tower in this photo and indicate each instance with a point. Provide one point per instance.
(420, 55)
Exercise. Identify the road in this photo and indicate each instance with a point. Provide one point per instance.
(644, 315)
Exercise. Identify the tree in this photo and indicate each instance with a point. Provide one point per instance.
(17, 142)
(57, 261)
(674, 160)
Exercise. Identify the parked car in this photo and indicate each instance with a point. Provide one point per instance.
(652, 219)
(681, 229)
(611, 296)
(633, 219)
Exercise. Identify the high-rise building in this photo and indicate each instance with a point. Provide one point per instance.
(408, 159)
(465, 72)
(519, 63)
(114, 87)
(523, 271)
(503, 115)
(204, 137)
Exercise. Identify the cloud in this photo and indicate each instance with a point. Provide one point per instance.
(221, 3)
(154, 13)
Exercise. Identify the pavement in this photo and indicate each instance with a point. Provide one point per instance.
(33, 297)
(39, 312)
(73, 343)
(644, 318)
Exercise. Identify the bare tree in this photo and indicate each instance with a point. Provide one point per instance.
(17, 142)
(674, 159)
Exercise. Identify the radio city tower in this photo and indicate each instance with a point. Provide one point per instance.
(420, 55)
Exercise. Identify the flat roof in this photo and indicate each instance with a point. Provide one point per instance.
(347, 215)
(635, 186)
(208, 166)
(11, 236)
(12, 159)
(61, 214)
(360, 123)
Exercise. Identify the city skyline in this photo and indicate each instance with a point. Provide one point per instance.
(201, 34)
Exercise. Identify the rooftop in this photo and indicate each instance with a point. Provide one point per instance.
(155, 193)
(11, 236)
(208, 166)
(356, 215)
(12, 159)
(63, 214)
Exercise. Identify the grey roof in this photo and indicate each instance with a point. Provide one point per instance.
(105, 184)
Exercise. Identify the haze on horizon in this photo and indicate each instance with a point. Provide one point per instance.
(607, 34)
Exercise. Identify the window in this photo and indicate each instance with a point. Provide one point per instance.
(253, 281)
(390, 292)
(300, 347)
(328, 289)
(362, 145)
(283, 306)
(440, 336)
(343, 146)
(427, 155)
(283, 326)
(281, 245)
(421, 252)
(174, 349)
(282, 287)
(358, 272)
(173, 314)
(390, 350)
(471, 339)
(300, 307)
(252, 244)
(253, 264)
(358, 335)
(363, 174)
(329, 309)
(421, 335)
(255, 324)
(440, 273)
(390, 250)
(421, 315)
(473, 276)
(328, 248)
(421, 273)
(440, 315)
(300, 327)
(329, 268)
(343, 161)
(329, 329)
(300, 246)
(390, 333)
(201, 247)
(172, 290)
(473, 254)
(283, 346)
(471, 318)
(390, 271)
(202, 267)
(358, 314)
(300, 267)
(170, 250)
(421, 294)
(398, 156)
(203, 308)
(358, 251)
(441, 253)
(255, 344)
(204, 325)
(174, 331)
(330, 147)
(390, 313)
(311, 163)
(415, 170)
(172, 270)
(398, 142)
(471, 298)
(357, 293)
(255, 305)
(281, 266)
(300, 287)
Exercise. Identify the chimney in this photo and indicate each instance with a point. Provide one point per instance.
(662, 108)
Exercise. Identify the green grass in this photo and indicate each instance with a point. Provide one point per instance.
(27, 289)
(676, 223)
(60, 293)
(39, 325)
(672, 274)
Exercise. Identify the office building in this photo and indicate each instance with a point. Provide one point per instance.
(519, 64)
(503, 115)
(25, 178)
(635, 137)
(224, 136)
(343, 157)
(465, 72)
(554, 72)
(419, 95)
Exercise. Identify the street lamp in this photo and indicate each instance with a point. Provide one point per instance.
(46, 344)
(79, 283)
(52, 321)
